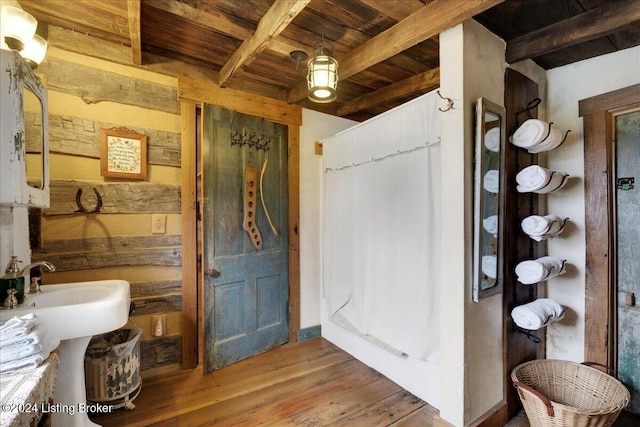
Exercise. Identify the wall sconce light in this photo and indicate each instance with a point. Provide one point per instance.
(18, 27)
(19, 32)
(322, 75)
(34, 51)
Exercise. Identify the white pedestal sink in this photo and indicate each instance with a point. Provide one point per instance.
(74, 312)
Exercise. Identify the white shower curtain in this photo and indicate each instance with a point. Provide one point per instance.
(381, 222)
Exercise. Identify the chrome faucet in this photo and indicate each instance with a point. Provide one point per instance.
(34, 287)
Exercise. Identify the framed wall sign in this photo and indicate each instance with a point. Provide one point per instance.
(123, 154)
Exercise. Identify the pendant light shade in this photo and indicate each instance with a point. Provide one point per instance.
(322, 75)
(18, 27)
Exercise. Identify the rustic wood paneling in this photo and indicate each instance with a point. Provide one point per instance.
(94, 85)
(160, 351)
(157, 304)
(154, 288)
(114, 243)
(81, 137)
(130, 197)
(168, 257)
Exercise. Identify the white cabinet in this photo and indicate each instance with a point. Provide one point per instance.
(24, 139)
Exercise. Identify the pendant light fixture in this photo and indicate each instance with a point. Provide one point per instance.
(322, 74)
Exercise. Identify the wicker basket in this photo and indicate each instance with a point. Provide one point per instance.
(561, 393)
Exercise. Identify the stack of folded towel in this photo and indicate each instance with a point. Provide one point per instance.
(537, 136)
(543, 227)
(24, 344)
(537, 314)
(540, 180)
(539, 270)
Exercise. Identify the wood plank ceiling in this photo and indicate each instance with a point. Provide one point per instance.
(387, 49)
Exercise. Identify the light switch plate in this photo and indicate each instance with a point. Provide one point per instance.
(158, 223)
(159, 325)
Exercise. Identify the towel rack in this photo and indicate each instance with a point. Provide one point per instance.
(536, 339)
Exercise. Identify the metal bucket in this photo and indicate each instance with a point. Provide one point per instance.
(112, 368)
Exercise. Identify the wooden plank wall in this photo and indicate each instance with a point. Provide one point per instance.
(86, 95)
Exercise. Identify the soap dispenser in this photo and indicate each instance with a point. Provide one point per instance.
(12, 280)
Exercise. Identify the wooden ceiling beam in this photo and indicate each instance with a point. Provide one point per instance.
(218, 22)
(133, 15)
(270, 26)
(426, 81)
(596, 23)
(83, 44)
(423, 24)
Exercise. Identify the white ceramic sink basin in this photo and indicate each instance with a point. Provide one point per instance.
(73, 310)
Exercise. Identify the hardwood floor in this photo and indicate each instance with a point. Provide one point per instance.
(312, 383)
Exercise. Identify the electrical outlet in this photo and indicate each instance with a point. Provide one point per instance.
(158, 223)
(159, 325)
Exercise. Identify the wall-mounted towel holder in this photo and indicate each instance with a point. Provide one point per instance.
(530, 106)
(536, 339)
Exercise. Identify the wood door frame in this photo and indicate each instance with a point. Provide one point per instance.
(194, 93)
(598, 113)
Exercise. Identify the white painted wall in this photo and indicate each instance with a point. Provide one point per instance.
(472, 66)
(315, 127)
(566, 87)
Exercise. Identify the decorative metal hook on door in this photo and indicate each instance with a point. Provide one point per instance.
(449, 103)
(82, 209)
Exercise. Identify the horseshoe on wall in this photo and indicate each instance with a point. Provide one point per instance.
(82, 208)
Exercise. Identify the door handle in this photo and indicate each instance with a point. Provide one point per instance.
(212, 272)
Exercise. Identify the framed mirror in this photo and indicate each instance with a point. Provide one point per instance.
(488, 199)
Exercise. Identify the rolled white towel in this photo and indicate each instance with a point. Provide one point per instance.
(552, 141)
(540, 180)
(490, 266)
(492, 181)
(543, 227)
(529, 134)
(537, 136)
(536, 314)
(558, 180)
(492, 139)
(490, 224)
(533, 271)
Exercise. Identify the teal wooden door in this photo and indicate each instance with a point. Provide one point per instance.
(627, 152)
(245, 287)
